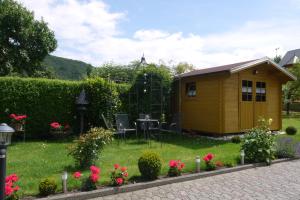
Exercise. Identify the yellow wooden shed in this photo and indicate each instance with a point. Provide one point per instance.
(230, 98)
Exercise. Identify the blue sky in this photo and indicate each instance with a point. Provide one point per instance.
(203, 33)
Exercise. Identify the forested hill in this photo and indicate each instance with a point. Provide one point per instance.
(65, 68)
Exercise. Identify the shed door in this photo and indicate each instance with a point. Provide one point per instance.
(252, 103)
(260, 105)
(246, 105)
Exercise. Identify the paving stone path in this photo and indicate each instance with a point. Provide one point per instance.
(280, 181)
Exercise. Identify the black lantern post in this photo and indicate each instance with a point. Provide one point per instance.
(5, 139)
(81, 104)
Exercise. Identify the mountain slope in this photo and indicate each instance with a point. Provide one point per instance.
(66, 68)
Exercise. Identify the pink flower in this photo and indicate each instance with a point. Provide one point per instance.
(77, 175)
(173, 163)
(116, 166)
(55, 125)
(94, 170)
(11, 178)
(12, 116)
(125, 174)
(94, 178)
(119, 181)
(8, 190)
(16, 188)
(123, 169)
(208, 157)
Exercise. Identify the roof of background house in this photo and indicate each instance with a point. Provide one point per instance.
(288, 58)
(236, 67)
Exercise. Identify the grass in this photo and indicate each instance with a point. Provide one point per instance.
(35, 160)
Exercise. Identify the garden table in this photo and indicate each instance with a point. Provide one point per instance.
(146, 126)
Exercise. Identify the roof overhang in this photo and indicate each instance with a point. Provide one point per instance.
(260, 61)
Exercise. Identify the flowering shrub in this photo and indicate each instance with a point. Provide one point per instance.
(119, 175)
(11, 188)
(18, 118)
(86, 150)
(259, 143)
(176, 167)
(90, 183)
(208, 162)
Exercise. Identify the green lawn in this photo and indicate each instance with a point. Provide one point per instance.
(36, 160)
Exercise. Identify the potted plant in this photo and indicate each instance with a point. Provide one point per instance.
(58, 130)
(18, 121)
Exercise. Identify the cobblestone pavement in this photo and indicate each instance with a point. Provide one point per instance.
(280, 181)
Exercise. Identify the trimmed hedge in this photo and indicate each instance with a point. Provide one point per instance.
(45, 101)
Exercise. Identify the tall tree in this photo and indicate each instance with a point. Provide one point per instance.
(24, 41)
(277, 59)
(291, 90)
(183, 67)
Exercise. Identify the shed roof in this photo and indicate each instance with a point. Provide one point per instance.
(289, 57)
(236, 67)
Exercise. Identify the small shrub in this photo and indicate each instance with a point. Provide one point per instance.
(258, 143)
(119, 175)
(176, 167)
(47, 186)
(291, 130)
(90, 183)
(285, 148)
(236, 139)
(86, 150)
(209, 165)
(150, 165)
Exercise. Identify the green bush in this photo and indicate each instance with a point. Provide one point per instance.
(258, 144)
(45, 101)
(150, 165)
(229, 164)
(236, 139)
(47, 186)
(86, 150)
(291, 130)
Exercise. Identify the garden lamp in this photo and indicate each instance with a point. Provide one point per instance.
(198, 162)
(5, 139)
(242, 157)
(64, 178)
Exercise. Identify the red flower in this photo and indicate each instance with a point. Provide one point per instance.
(94, 170)
(16, 188)
(12, 178)
(173, 163)
(123, 169)
(125, 174)
(8, 190)
(119, 181)
(208, 157)
(12, 116)
(94, 177)
(182, 165)
(55, 125)
(77, 175)
(116, 166)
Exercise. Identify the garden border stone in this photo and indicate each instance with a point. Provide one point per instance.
(164, 181)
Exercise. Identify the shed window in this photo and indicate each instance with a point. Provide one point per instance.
(246, 90)
(260, 91)
(191, 89)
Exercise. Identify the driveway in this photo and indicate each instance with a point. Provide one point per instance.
(280, 181)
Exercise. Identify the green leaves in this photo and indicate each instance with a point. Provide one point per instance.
(24, 41)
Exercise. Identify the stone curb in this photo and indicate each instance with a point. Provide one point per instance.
(156, 183)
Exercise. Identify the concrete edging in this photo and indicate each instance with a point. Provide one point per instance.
(144, 185)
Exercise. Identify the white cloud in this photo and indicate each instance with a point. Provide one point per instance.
(88, 31)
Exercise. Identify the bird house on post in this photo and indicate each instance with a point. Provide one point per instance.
(81, 105)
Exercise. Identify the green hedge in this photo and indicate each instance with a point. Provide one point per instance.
(45, 101)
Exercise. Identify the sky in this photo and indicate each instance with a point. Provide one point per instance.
(202, 33)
